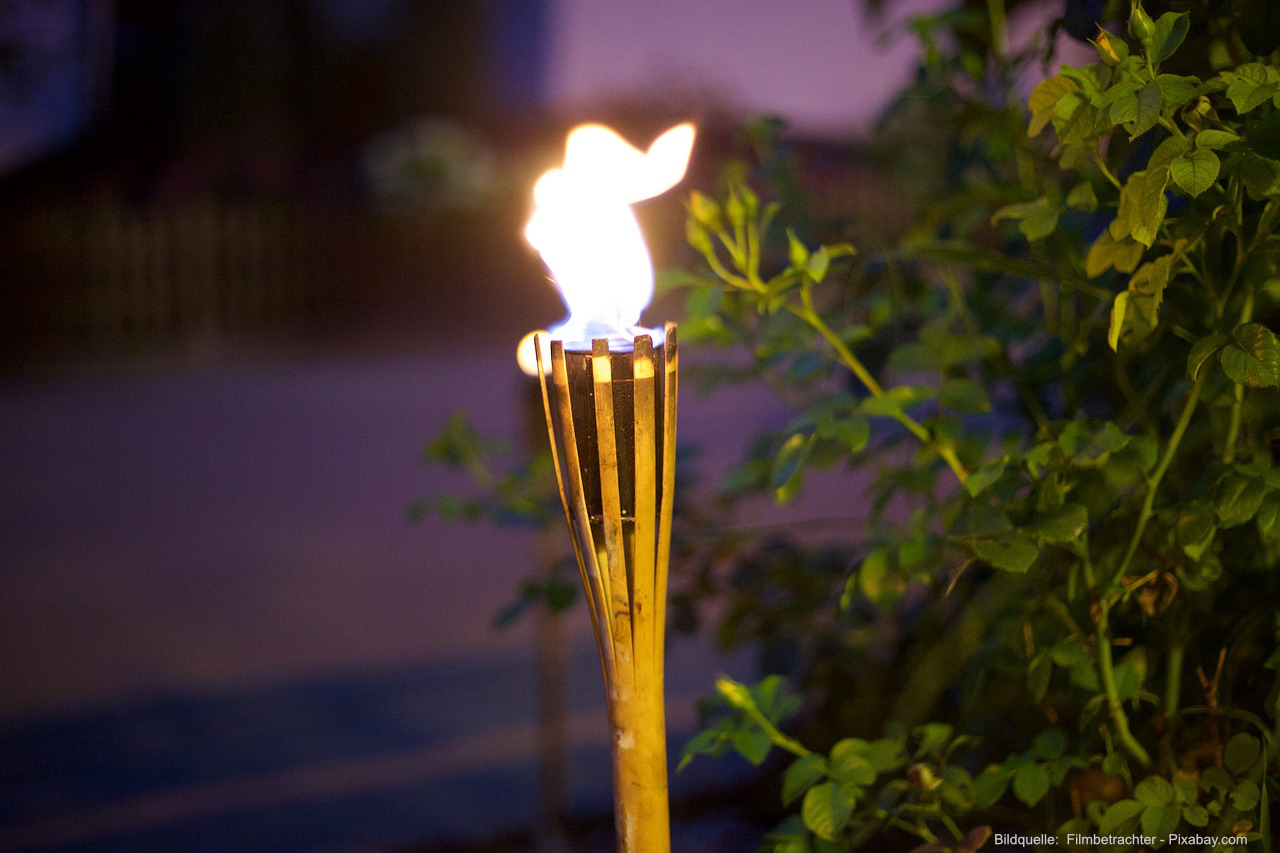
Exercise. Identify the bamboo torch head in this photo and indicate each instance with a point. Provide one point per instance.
(611, 420)
(611, 424)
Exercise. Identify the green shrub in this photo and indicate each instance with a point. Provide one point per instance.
(1061, 611)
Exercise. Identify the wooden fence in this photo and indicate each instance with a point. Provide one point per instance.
(109, 276)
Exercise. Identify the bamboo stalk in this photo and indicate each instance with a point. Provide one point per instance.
(583, 572)
(622, 541)
(644, 581)
(671, 388)
(580, 529)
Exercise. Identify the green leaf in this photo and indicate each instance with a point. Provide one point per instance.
(853, 431)
(773, 699)
(803, 772)
(1159, 820)
(826, 809)
(794, 844)
(1241, 752)
(1195, 171)
(703, 301)
(1154, 791)
(1237, 497)
(1069, 651)
(713, 742)
(978, 481)
(989, 786)
(1119, 816)
(885, 754)
(933, 737)
(1166, 152)
(1151, 206)
(964, 396)
(1195, 529)
(1018, 210)
(1114, 762)
(1201, 351)
(1044, 100)
(1260, 175)
(1252, 356)
(1150, 100)
(1176, 89)
(1170, 30)
(1123, 101)
(1049, 744)
(1040, 224)
(1249, 87)
(1201, 575)
(819, 263)
(799, 254)
(1101, 445)
(1060, 525)
(1012, 553)
(1107, 252)
(786, 465)
(1216, 779)
(1245, 796)
(1146, 449)
(752, 744)
(1030, 784)
(956, 350)
(1269, 519)
(895, 401)
(1119, 312)
(1196, 815)
(1036, 219)
(849, 763)
(1130, 674)
(1142, 201)
(872, 574)
(1215, 139)
(1146, 289)
(1082, 197)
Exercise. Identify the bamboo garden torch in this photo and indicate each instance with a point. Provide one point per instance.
(610, 406)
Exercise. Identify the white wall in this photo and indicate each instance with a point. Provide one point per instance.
(825, 65)
(815, 62)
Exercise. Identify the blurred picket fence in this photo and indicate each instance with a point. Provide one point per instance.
(108, 277)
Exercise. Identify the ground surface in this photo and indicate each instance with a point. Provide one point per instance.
(221, 632)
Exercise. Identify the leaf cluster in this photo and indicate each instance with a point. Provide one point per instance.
(1060, 389)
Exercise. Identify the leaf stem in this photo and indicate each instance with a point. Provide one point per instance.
(996, 14)
(713, 260)
(1173, 678)
(1237, 401)
(855, 366)
(1106, 671)
(1101, 163)
(1153, 482)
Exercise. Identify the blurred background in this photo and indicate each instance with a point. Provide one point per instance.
(252, 256)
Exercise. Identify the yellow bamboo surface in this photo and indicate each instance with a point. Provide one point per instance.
(622, 554)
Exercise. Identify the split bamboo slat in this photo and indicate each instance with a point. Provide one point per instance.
(611, 425)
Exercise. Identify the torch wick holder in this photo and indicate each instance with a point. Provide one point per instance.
(611, 421)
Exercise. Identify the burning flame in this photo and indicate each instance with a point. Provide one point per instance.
(588, 236)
